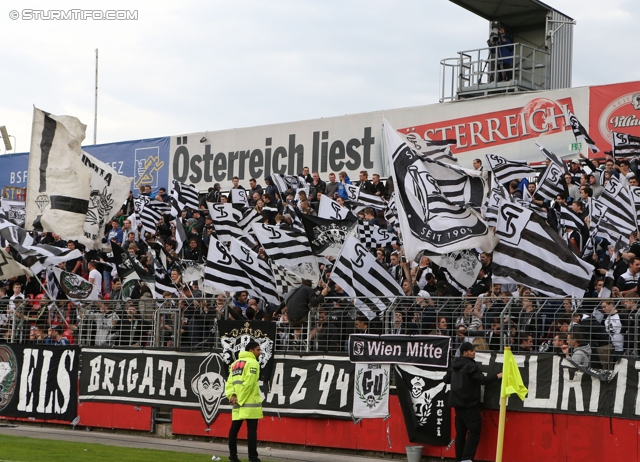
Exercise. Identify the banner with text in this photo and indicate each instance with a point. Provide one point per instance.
(556, 385)
(300, 385)
(423, 350)
(39, 381)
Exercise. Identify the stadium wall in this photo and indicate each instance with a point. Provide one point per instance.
(503, 125)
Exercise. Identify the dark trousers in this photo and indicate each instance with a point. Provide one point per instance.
(468, 426)
(252, 438)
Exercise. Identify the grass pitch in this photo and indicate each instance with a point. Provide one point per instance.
(22, 449)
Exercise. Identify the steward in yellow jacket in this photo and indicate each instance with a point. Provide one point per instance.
(243, 392)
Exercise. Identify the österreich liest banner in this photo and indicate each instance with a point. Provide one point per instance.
(423, 350)
(300, 385)
(39, 381)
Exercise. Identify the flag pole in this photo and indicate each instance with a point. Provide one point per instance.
(501, 421)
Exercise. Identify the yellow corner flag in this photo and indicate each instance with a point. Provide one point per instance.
(511, 378)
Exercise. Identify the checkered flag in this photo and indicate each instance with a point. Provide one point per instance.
(373, 236)
(284, 279)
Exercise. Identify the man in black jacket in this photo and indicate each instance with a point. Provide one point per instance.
(465, 378)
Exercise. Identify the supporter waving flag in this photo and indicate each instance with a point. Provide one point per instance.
(581, 133)
(550, 183)
(620, 207)
(185, 194)
(151, 215)
(331, 210)
(374, 236)
(361, 276)
(433, 149)
(258, 271)
(290, 249)
(222, 272)
(507, 170)
(428, 219)
(328, 236)
(625, 145)
(529, 252)
(226, 219)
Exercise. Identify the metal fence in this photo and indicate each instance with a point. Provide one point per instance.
(487, 70)
(609, 328)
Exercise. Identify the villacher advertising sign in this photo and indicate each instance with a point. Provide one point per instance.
(423, 350)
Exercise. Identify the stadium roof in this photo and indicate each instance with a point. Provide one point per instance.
(514, 14)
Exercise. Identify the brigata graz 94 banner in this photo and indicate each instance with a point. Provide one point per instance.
(422, 350)
(300, 385)
(39, 381)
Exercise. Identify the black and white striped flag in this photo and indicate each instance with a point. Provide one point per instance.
(570, 219)
(391, 212)
(529, 252)
(151, 214)
(288, 248)
(222, 272)
(581, 133)
(185, 194)
(365, 199)
(620, 207)
(433, 149)
(625, 145)
(239, 197)
(554, 159)
(226, 219)
(550, 183)
(249, 217)
(286, 182)
(492, 204)
(635, 196)
(459, 185)
(362, 277)
(507, 170)
(373, 236)
(258, 271)
(331, 210)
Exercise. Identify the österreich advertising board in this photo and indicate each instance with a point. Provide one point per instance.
(504, 125)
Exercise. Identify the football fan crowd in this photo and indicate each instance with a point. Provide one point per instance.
(320, 317)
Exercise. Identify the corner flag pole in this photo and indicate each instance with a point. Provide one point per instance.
(501, 422)
(511, 383)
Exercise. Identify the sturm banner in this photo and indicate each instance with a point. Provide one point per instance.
(424, 400)
(235, 335)
(301, 385)
(556, 385)
(424, 350)
(39, 381)
(371, 391)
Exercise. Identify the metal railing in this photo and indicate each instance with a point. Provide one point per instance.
(609, 328)
(488, 70)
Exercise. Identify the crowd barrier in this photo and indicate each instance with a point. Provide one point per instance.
(559, 421)
(609, 327)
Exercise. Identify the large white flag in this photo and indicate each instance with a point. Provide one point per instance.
(428, 219)
(371, 391)
(108, 192)
(59, 184)
(71, 193)
(9, 268)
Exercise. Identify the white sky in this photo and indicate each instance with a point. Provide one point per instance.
(212, 65)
